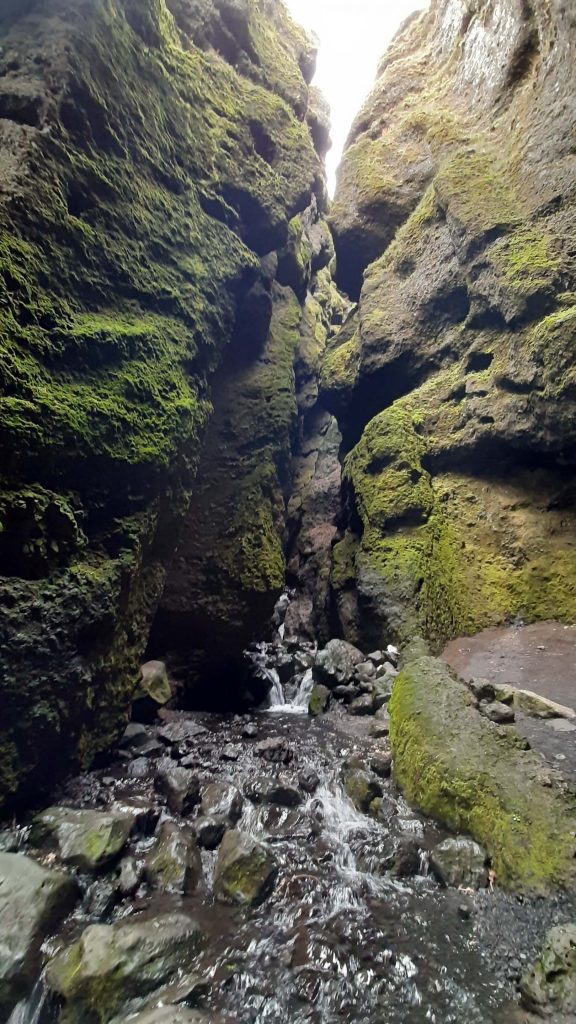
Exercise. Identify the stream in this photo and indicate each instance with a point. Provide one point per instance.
(357, 927)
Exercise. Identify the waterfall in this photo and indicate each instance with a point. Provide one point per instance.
(30, 1011)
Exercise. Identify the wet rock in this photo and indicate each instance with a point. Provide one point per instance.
(361, 706)
(460, 862)
(245, 870)
(139, 768)
(497, 712)
(180, 786)
(377, 658)
(284, 793)
(169, 1015)
(181, 731)
(112, 964)
(362, 788)
(383, 808)
(365, 671)
(136, 735)
(407, 859)
(336, 663)
(250, 731)
(308, 780)
(90, 840)
(319, 700)
(210, 830)
(275, 749)
(189, 989)
(346, 693)
(231, 752)
(224, 799)
(482, 689)
(380, 727)
(130, 875)
(381, 764)
(100, 900)
(145, 814)
(393, 654)
(174, 864)
(33, 902)
(550, 986)
(382, 692)
(154, 683)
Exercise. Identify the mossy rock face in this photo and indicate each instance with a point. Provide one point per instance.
(147, 168)
(453, 384)
(89, 840)
(245, 870)
(469, 774)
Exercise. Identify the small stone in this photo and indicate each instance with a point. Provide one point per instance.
(230, 752)
(365, 670)
(499, 713)
(130, 876)
(222, 799)
(336, 663)
(210, 830)
(181, 730)
(482, 689)
(179, 785)
(284, 793)
(154, 683)
(407, 862)
(362, 705)
(380, 727)
(308, 780)
(250, 731)
(135, 735)
(465, 911)
(377, 657)
(346, 693)
(100, 900)
(381, 764)
(139, 768)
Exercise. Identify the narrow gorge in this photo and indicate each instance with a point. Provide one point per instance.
(287, 519)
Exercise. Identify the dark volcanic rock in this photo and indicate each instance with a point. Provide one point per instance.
(180, 786)
(174, 864)
(131, 264)
(245, 870)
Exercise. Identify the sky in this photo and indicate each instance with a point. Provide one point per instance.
(353, 35)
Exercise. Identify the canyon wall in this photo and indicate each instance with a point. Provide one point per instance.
(453, 381)
(157, 159)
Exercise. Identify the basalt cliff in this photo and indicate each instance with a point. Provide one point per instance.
(216, 384)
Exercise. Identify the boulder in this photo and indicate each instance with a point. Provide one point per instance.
(223, 799)
(179, 785)
(456, 767)
(550, 985)
(319, 700)
(130, 874)
(153, 690)
(460, 862)
(245, 870)
(362, 788)
(346, 693)
(209, 830)
(89, 840)
(381, 764)
(112, 964)
(33, 902)
(335, 664)
(174, 864)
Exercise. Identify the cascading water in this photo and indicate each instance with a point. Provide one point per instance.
(357, 930)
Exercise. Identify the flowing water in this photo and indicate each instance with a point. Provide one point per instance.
(357, 930)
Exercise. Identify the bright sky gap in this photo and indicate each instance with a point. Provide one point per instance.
(353, 37)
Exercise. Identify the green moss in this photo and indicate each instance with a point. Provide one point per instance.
(344, 562)
(476, 193)
(340, 369)
(461, 770)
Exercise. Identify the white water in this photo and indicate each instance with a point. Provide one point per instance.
(299, 704)
(30, 1011)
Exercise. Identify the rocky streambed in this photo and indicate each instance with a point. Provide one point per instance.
(260, 868)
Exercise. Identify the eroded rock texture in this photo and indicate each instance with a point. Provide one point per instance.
(454, 381)
(152, 153)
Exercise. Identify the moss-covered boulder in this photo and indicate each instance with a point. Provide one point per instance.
(246, 870)
(111, 964)
(550, 985)
(89, 840)
(475, 777)
(154, 151)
